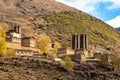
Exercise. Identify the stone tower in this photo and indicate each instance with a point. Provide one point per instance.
(79, 41)
(74, 41)
(17, 29)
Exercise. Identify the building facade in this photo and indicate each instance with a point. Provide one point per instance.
(80, 46)
(28, 42)
(65, 51)
(79, 49)
(23, 46)
(14, 35)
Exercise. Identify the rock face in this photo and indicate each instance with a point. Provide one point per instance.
(32, 6)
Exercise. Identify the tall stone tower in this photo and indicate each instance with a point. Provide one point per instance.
(79, 41)
(17, 29)
(74, 41)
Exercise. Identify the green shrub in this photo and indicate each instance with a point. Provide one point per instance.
(53, 54)
(11, 53)
(68, 63)
(115, 62)
(110, 60)
(104, 59)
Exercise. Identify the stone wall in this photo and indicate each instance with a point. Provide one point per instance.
(18, 47)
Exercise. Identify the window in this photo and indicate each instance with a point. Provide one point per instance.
(21, 52)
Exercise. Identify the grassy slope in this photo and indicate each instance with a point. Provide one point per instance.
(66, 23)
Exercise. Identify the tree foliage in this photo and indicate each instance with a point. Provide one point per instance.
(68, 63)
(104, 59)
(56, 46)
(53, 54)
(91, 54)
(115, 61)
(2, 33)
(54, 50)
(3, 46)
(45, 44)
(111, 60)
(4, 26)
(11, 53)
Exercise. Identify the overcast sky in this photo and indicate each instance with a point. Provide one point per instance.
(106, 10)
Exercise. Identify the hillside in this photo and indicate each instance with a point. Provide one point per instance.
(32, 6)
(57, 20)
(64, 24)
(33, 69)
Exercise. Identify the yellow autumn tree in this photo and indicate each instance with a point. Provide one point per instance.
(45, 44)
(11, 53)
(2, 33)
(68, 63)
(91, 54)
(56, 46)
(4, 26)
(54, 51)
(3, 46)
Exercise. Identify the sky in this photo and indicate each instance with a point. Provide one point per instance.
(106, 10)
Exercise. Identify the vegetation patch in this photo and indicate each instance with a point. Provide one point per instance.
(66, 23)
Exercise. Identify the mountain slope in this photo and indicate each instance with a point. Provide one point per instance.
(64, 24)
(59, 21)
(32, 6)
